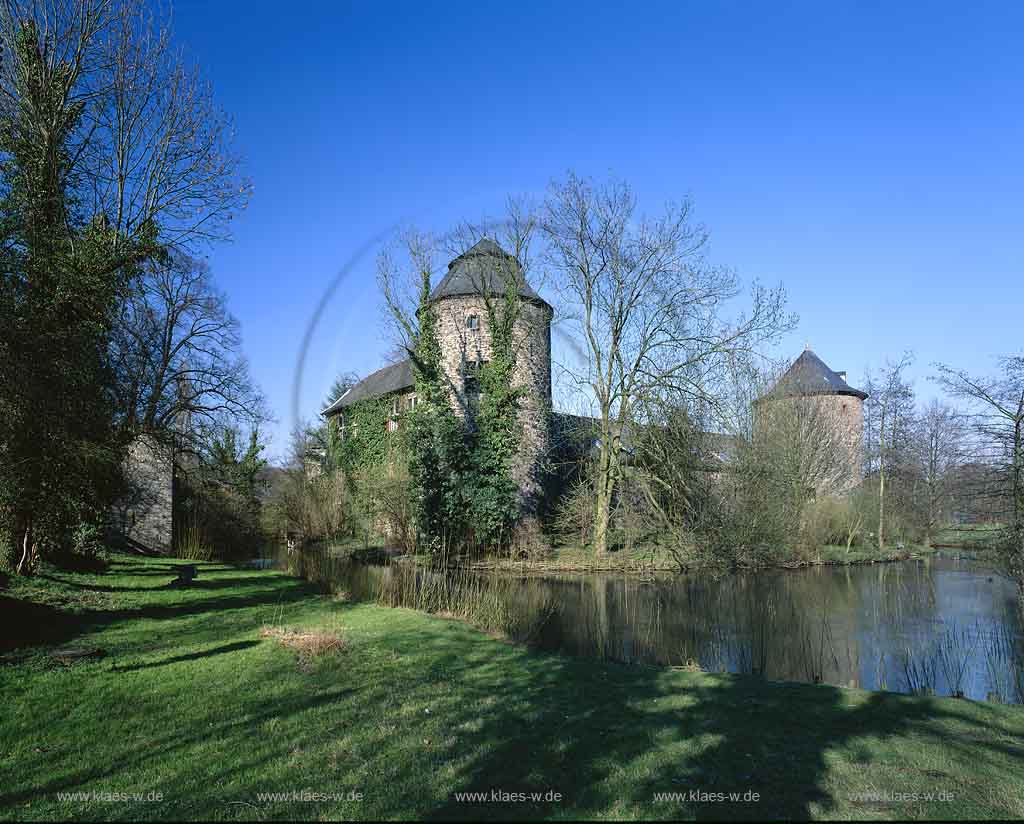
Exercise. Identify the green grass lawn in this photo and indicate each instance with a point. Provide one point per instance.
(871, 554)
(190, 701)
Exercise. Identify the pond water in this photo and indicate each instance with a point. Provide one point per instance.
(942, 625)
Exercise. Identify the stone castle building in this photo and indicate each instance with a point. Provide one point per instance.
(830, 410)
(479, 275)
(459, 300)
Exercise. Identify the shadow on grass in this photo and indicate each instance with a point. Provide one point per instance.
(602, 740)
(27, 624)
(171, 575)
(172, 745)
(607, 737)
(193, 656)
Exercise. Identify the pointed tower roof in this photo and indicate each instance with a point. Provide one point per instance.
(809, 375)
(482, 269)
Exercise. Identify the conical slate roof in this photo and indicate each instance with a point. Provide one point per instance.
(482, 269)
(809, 375)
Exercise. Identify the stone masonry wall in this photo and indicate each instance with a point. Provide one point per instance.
(844, 414)
(461, 345)
(145, 512)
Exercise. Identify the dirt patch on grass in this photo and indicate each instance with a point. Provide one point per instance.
(308, 644)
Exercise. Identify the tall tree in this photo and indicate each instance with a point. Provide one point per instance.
(888, 419)
(176, 351)
(60, 289)
(340, 385)
(111, 153)
(996, 417)
(648, 309)
(939, 448)
(437, 453)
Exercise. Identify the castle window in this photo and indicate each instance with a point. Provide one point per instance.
(473, 322)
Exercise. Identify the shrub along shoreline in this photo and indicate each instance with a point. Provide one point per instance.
(647, 561)
(397, 714)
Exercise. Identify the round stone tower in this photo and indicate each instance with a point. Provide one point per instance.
(810, 381)
(480, 274)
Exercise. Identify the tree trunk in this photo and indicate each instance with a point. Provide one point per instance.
(27, 562)
(881, 480)
(1017, 529)
(603, 498)
(881, 509)
(1018, 476)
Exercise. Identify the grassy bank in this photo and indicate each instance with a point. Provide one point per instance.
(195, 700)
(657, 559)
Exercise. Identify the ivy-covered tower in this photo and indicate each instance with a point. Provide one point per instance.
(480, 275)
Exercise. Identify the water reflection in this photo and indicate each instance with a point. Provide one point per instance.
(942, 625)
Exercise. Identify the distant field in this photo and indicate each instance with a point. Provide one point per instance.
(969, 536)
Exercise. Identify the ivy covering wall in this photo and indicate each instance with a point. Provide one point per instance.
(367, 441)
(460, 470)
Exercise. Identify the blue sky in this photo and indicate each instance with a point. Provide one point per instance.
(869, 156)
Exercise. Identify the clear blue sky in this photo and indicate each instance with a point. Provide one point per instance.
(867, 155)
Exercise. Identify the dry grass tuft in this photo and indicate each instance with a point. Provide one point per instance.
(309, 644)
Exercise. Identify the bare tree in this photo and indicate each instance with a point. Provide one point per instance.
(401, 266)
(177, 352)
(996, 417)
(647, 308)
(939, 445)
(160, 156)
(888, 419)
(342, 383)
(151, 152)
(805, 446)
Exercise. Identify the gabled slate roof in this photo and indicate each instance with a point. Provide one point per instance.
(482, 269)
(393, 378)
(810, 376)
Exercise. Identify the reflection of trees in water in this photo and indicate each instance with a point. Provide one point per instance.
(849, 626)
(889, 626)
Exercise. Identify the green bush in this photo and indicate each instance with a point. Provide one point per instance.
(830, 521)
(383, 497)
(215, 521)
(87, 540)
